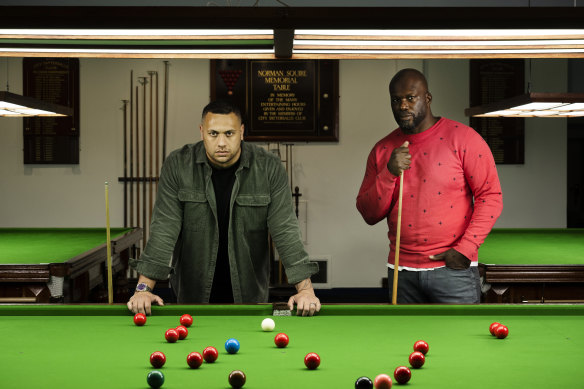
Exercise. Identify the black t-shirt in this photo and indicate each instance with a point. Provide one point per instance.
(223, 180)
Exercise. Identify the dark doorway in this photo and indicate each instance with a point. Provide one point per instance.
(575, 173)
(575, 211)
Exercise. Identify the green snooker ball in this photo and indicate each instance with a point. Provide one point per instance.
(155, 379)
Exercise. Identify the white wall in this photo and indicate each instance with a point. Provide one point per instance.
(535, 193)
(329, 175)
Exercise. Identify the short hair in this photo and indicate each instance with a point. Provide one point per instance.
(221, 107)
(406, 72)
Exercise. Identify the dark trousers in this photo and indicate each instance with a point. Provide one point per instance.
(442, 285)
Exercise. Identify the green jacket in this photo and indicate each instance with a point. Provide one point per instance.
(184, 234)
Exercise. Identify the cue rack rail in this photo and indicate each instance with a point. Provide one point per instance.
(144, 144)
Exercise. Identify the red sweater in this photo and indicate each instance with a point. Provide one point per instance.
(451, 164)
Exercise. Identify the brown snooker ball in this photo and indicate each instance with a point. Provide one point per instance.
(236, 379)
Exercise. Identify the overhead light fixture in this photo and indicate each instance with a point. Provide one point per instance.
(442, 34)
(13, 105)
(551, 105)
(136, 33)
(461, 43)
(295, 43)
(139, 43)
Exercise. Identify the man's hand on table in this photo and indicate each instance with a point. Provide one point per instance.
(141, 302)
(307, 304)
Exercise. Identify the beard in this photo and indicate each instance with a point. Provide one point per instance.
(408, 125)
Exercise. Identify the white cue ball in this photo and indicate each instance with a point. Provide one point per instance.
(268, 325)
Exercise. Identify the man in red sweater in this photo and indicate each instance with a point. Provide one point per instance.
(451, 197)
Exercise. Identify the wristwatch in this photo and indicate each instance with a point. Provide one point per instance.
(142, 287)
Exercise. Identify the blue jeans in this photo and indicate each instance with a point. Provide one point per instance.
(442, 285)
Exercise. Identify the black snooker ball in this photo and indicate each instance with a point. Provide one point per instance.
(236, 379)
(363, 383)
(155, 379)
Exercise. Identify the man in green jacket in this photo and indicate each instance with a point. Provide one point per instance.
(217, 199)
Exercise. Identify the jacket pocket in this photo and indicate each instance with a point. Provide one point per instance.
(196, 210)
(251, 212)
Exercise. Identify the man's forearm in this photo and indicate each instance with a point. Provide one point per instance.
(304, 286)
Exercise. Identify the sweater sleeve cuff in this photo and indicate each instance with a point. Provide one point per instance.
(385, 174)
(151, 270)
(301, 272)
(468, 249)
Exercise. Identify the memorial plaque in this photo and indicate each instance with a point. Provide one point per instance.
(281, 100)
(52, 140)
(494, 80)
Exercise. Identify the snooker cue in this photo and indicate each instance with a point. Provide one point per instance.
(165, 116)
(125, 163)
(397, 238)
(131, 205)
(137, 157)
(144, 81)
(157, 137)
(110, 294)
(150, 181)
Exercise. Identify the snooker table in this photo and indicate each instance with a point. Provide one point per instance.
(41, 265)
(533, 265)
(98, 346)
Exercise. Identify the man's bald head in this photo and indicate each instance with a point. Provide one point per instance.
(409, 73)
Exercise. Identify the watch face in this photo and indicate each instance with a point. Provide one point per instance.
(141, 287)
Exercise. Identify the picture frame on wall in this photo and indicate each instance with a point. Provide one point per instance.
(281, 100)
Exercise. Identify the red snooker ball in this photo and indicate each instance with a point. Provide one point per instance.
(417, 359)
(194, 360)
(312, 361)
(186, 320)
(281, 340)
(157, 359)
(210, 354)
(139, 319)
(501, 332)
(382, 381)
(421, 346)
(182, 332)
(171, 335)
(236, 379)
(402, 374)
(493, 327)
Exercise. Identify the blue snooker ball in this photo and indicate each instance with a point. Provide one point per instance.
(232, 346)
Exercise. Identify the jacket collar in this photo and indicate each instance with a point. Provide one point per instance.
(244, 158)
